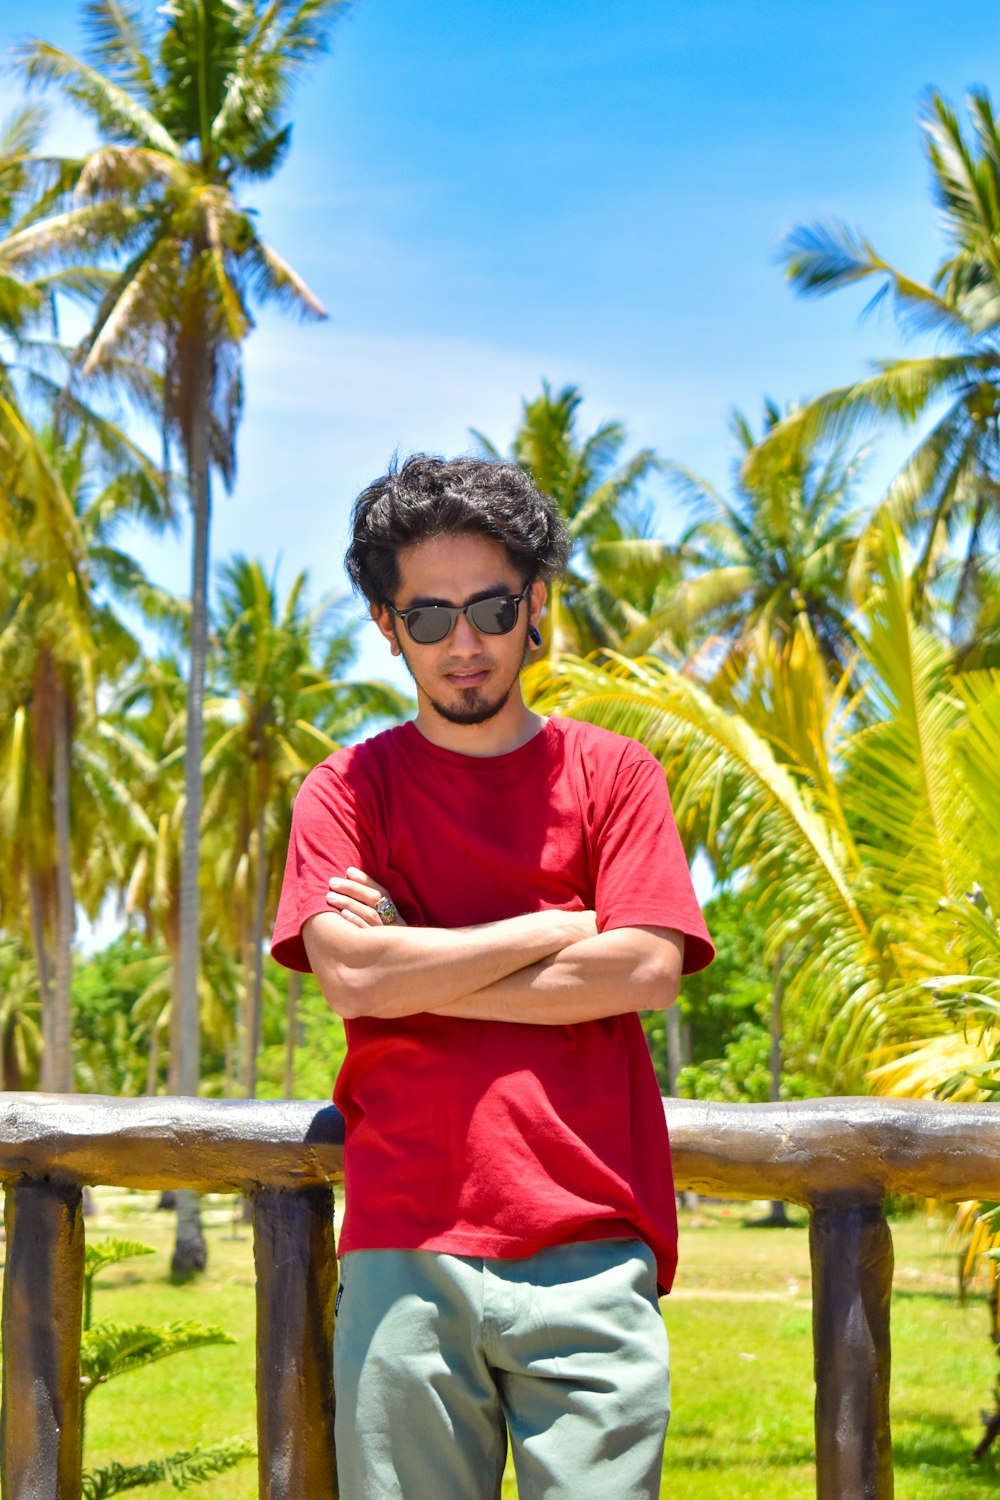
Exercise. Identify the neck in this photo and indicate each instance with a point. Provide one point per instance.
(508, 730)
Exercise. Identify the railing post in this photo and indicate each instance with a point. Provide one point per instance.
(296, 1293)
(40, 1435)
(851, 1250)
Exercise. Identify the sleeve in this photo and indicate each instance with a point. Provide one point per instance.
(328, 834)
(642, 875)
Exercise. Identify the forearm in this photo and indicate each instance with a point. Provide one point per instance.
(629, 969)
(387, 972)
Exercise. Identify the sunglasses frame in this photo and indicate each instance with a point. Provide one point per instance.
(454, 610)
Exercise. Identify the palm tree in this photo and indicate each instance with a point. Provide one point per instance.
(59, 639)
(188, 107)
(856, 821)
(281, 707)
(592, 489)
(779, 551)
(947, 494)
(143, 729)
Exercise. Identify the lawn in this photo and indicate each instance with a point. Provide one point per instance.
(740, 1330)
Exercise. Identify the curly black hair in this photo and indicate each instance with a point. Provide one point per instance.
(430, 497)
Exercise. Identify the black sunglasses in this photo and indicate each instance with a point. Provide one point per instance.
(429, 623)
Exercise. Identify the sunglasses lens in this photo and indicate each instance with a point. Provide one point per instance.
(429, 625)
(494, 616)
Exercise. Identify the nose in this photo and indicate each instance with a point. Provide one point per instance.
(465, 640)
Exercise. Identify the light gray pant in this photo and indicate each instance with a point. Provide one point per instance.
(438, 1357)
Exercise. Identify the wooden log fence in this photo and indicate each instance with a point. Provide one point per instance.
(838, 1158)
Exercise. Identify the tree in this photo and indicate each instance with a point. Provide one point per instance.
(591, 489)
(188, 108)
(778, 551)
(280, 708)
(947, 493)
(859, 824)
(60, 638)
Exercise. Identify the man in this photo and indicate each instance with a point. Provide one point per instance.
(488, 898)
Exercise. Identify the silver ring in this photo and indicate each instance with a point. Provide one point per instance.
(386, 909)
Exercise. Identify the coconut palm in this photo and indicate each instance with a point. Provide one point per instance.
(58, 640)
(592, 488)
(143, 732)
(947, 494)
(281, 707)
(856, 818)
(778, 551)
(189, 106)
(30, 183)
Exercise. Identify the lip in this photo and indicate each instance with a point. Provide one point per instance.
(467, 679)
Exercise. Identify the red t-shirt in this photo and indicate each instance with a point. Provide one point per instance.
(495, 1138)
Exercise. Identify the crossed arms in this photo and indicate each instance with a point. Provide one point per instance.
(548, 968)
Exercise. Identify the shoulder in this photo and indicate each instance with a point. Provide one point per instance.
(600, 748)
(348, 773)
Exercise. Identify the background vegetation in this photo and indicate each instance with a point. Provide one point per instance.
(739, 1323)
(816, 665)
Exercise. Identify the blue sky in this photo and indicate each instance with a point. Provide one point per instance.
(486, 194)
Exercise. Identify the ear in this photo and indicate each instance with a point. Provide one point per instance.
(537, 596)
(385, 620)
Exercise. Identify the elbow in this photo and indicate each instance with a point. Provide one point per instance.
(657, 975)
(660, 987)
(348, 992)
(342, 961)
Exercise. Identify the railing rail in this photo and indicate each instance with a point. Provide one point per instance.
(836, 1157)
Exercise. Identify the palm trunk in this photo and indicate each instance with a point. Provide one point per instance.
(43, 965)
(190, 1254)
(153, 1061)
(779, 1214)
(55, 970)
(173, 942)
(199, 483)
(674, 1059)
(257, 946)
(291, 1029)
(58, 1060)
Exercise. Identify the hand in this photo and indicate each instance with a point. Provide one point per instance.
(354, 896)
(580, 924)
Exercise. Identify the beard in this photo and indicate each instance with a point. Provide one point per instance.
(474, 709)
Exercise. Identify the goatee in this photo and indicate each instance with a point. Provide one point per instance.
(476, 711)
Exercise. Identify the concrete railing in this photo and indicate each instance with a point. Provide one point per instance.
(836, 1157)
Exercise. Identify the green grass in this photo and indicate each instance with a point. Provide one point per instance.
(740, 1333)
(740, 1328)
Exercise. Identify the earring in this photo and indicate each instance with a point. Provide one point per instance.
(534, 636)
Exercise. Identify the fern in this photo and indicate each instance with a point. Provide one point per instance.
(182, 1469)
(110, 1349)
(97, 1258)
(110, 1252)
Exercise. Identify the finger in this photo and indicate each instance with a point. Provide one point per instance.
(357, 874)
(369, 894)
(366, 914)
(350, 917)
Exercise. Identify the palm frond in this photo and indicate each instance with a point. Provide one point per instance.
(113, 107)
(271, 278)
(823, 258)
(121, 45)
